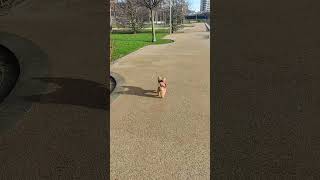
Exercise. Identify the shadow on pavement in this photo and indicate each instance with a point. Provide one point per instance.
(33, 61)
(77, 92)
(133, 90)
(206, 37)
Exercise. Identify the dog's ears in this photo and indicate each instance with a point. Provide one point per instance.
(164, 79)
(159, 78)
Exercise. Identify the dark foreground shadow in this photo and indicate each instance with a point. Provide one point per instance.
(133, 90)
(77, 92)
(34, 63)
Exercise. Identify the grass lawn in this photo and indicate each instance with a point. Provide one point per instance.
(144, 30)
(124, 43)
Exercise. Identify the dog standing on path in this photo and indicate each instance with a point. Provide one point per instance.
(162, 88)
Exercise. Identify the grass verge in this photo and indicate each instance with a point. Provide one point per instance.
(124, 43)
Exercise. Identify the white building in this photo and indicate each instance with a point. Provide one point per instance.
(205, 6)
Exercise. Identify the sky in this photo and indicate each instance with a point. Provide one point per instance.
(194, 5)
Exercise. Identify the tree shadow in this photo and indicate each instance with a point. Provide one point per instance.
(77, 92)
(137, 91)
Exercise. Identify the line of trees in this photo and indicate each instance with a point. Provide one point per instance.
(131, 13)
(134, 14)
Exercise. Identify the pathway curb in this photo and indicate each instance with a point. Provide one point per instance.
(119, 80)
(207, 26)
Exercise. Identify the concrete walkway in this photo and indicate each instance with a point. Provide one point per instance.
(153, 138)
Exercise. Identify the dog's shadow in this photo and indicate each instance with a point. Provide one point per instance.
(137, 91)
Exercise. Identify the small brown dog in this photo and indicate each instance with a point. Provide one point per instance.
(162, 88)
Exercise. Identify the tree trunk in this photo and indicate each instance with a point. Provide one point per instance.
(134, 29)
(153, 29)
(164, 19)
(170, 17)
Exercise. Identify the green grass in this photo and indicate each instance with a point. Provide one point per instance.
(145, 30)
(123, 44)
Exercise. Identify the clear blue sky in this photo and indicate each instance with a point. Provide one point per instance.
(194, 5)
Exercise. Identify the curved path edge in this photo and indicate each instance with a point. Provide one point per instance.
(119, 80)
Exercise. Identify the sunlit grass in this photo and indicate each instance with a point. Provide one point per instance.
(125, 43)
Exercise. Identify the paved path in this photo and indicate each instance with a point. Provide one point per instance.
(153, 138)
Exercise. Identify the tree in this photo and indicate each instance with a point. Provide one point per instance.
(170, 17)
(113, 11)
(133, 12)
(152, 5)
(179, 10)
(174, 14)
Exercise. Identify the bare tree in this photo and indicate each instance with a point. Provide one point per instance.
(152, 5)
(133, 12)
(184, 9)
(112, 11)
(179, 10)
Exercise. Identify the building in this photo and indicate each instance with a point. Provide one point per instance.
(205, 6)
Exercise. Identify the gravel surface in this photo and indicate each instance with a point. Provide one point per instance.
(153, 138)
